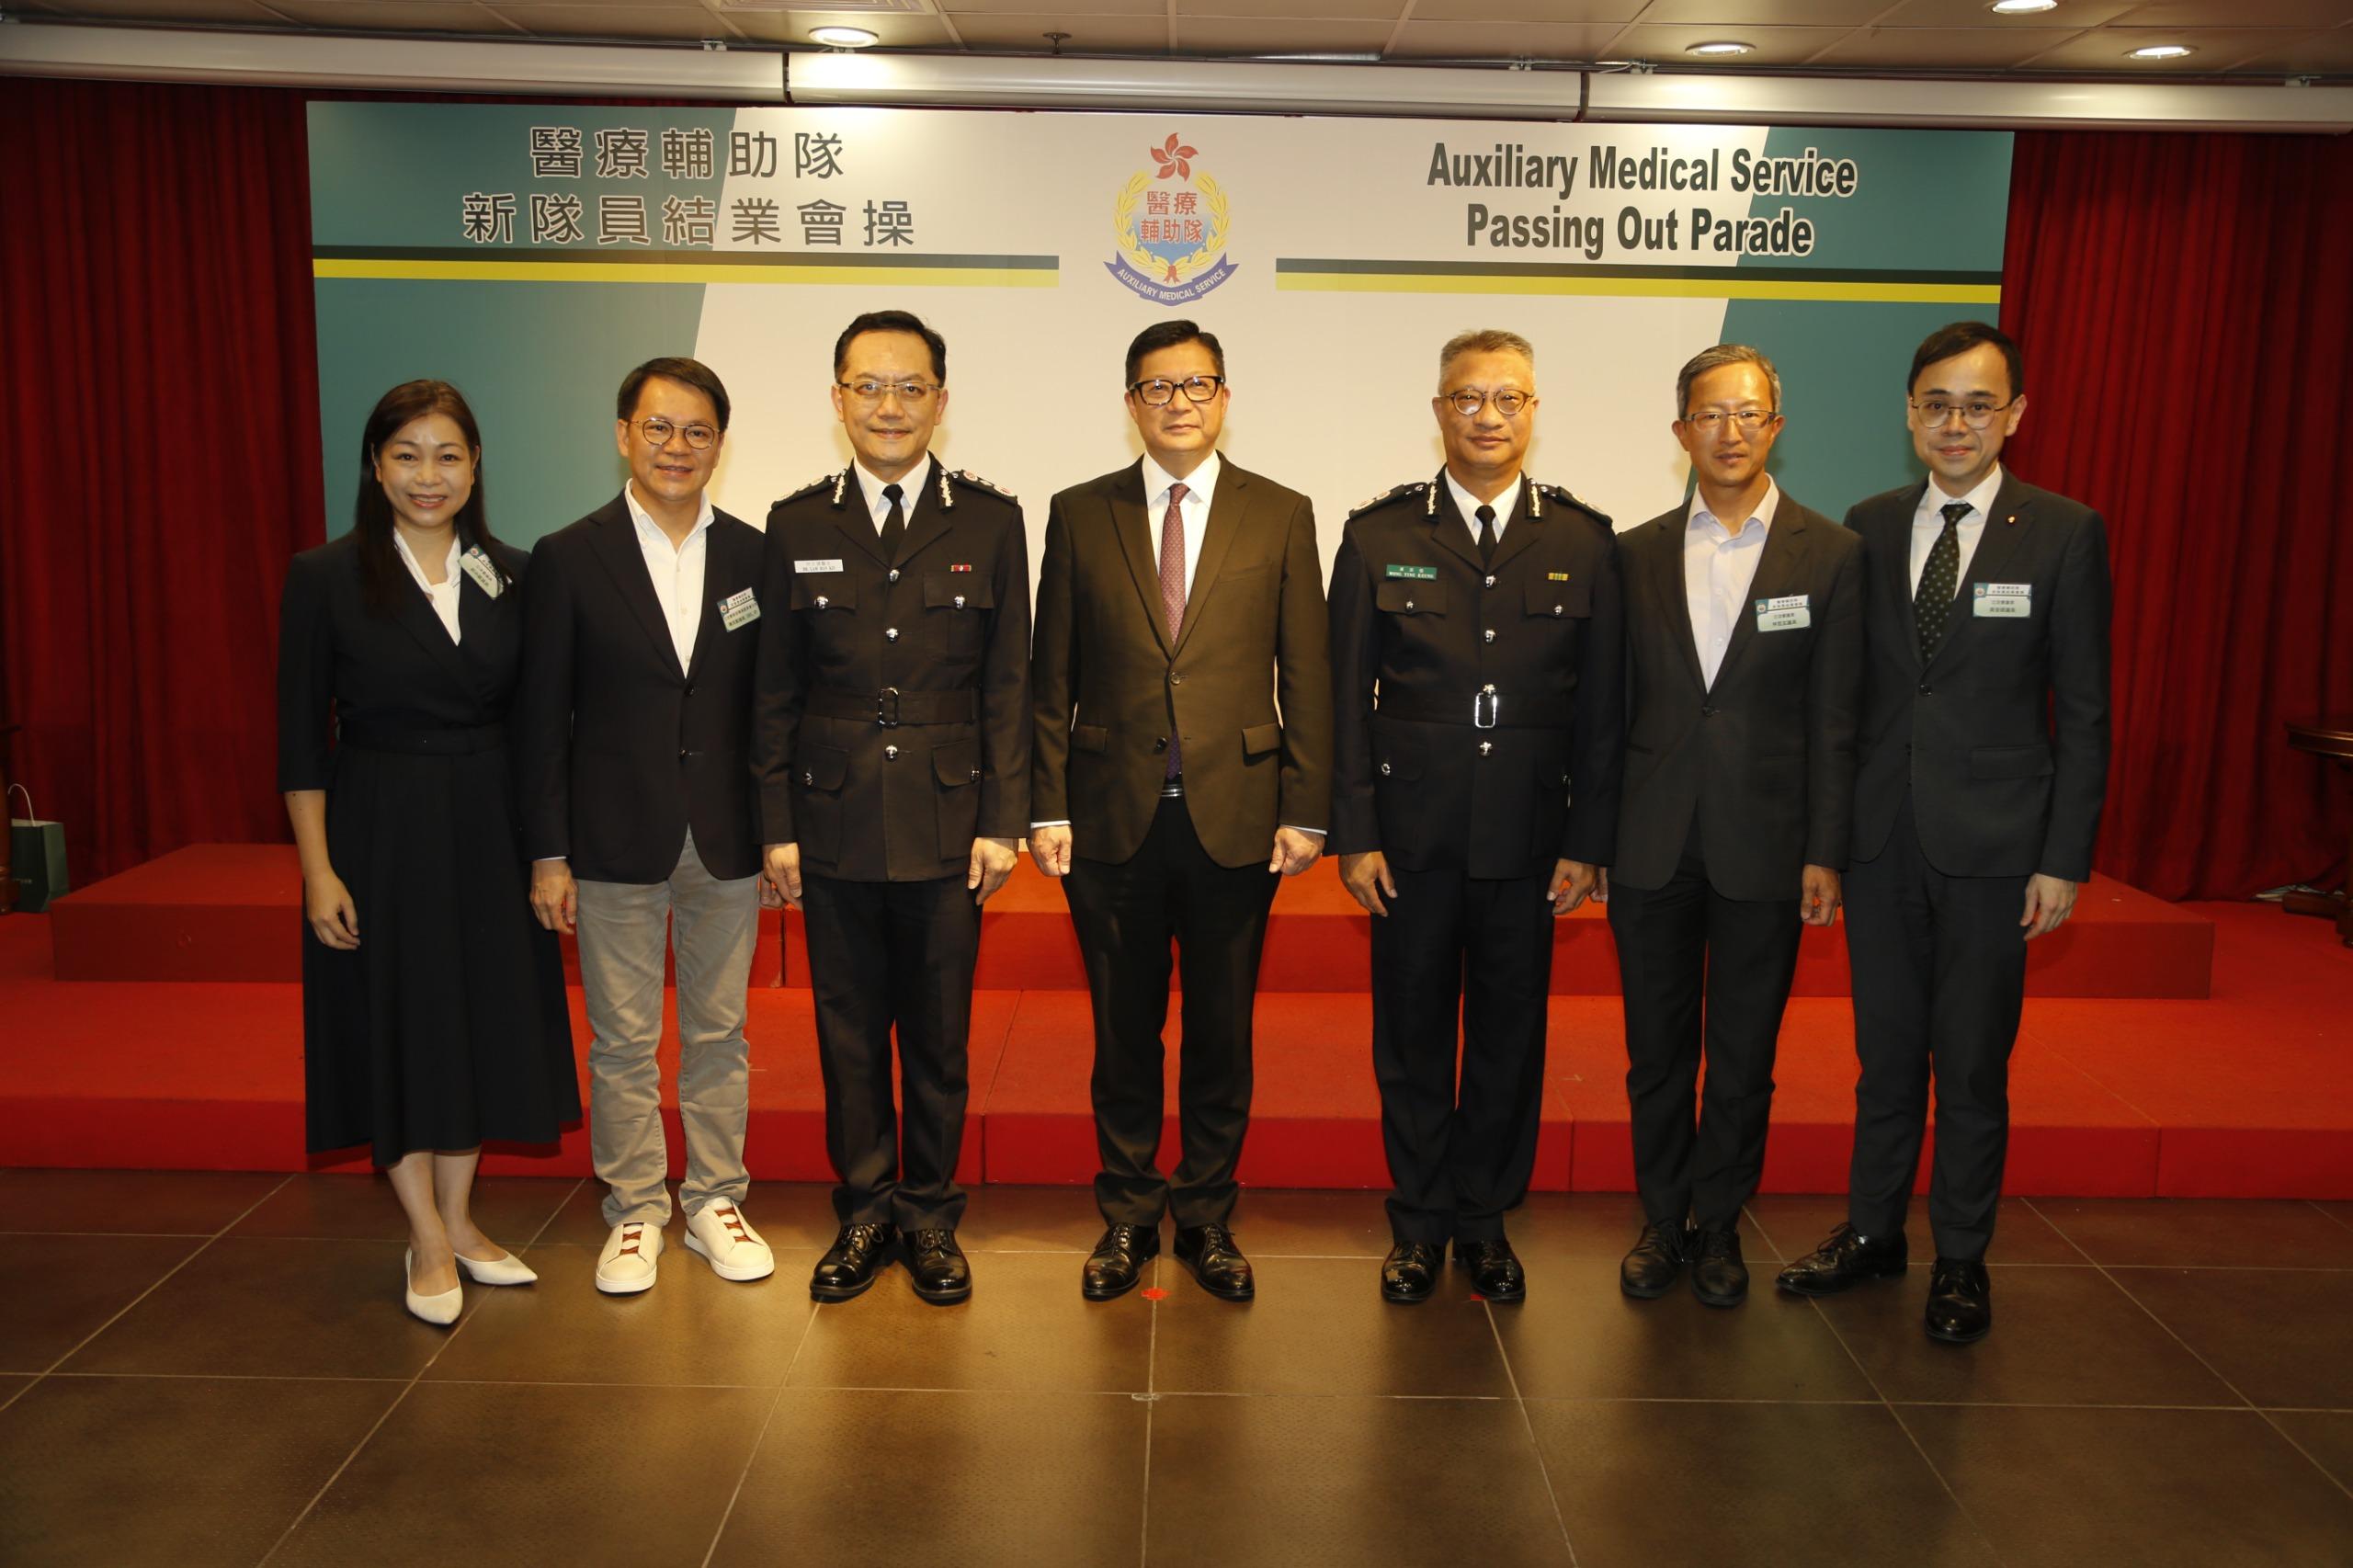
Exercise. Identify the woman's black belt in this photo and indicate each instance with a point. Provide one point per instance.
(454, 742)
(890, 707)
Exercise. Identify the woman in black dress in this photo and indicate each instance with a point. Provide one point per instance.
(433, 1004)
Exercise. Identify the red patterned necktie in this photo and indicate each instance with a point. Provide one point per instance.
(1172, 585)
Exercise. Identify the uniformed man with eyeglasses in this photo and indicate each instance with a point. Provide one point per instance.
(891, 744)
(1478, 699)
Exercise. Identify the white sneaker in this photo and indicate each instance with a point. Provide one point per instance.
(626, 1266)
(720, 1234)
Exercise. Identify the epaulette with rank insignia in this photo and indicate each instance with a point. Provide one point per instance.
(967, 477)
(809, 489)
(1562, 493)
(1414, 487)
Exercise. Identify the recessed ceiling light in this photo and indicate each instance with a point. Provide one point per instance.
(1720, 46)
(844, 38)
(2160, 52)
(2021, 8)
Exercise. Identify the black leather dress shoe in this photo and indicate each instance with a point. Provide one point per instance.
(1118, 1260)
(1650, 1269)
(937, 1266)
(1960, 1301)
(1844, 1261)
(1718, 1276)
(1409, 1274)
(1216, 1262)
(1495, 1268)
(850, 1265)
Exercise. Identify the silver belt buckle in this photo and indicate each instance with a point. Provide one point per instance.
(1486, 709)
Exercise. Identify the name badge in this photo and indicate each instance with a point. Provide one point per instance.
(2004, 601)
(739, 609)
(1414, 573)
(833, 565)
(1788, 613)
(477, 566)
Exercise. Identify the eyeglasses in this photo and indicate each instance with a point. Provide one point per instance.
(1977, 414)
(1469, 400)
(1749, 420)
(657, 432)
(911, 395)
(1157, 393)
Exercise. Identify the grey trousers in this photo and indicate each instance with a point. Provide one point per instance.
(712, 925)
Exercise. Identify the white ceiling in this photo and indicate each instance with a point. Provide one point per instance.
(2241, 38)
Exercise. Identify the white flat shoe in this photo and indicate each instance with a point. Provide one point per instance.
(441, 1309)
(720, 1233)
(504, 1270)
(626, 1264)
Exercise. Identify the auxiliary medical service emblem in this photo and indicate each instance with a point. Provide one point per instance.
(1171, 224)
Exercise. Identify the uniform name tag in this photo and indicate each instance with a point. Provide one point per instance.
(739, 609)
(2006, 601)
(477, 566)
(1414, 573)
(1785, 614)
(833, 565)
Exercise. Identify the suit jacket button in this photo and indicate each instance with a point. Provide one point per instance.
(1160, 742)
(890, 634)
(960, 601)
(889, 754)
(1491, 579)
(684, 754)
(1409, 604)
(974, 778)
(1707, 712)
(895, 576)
(1384, 770)
(809, 779)
(1489, 634)
(1923, 689)
(821, 601)
(1558, 608)
(1176, 680)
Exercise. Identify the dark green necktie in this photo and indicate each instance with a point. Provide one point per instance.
(1940, 582)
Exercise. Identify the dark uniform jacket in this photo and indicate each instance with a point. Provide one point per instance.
(1243, 685)
(2003, 737)
(1765, 757)
(618, 751)
(893, 719)
(1478, 708)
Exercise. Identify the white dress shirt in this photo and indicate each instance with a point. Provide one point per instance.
(1199, 485)
(1928, 521)
(909, 488)
(443, 594)
(1719, 564)
(1469, 505)
(677, 571)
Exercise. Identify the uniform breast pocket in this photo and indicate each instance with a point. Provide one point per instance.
(824, 593)
(1410, 598)
(1550, 598)
(956, 604)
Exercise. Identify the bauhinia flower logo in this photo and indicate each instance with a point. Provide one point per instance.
(1175, 160)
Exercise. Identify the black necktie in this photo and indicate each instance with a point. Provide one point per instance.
(894, 526)
(1487, 535)
(1940, 582)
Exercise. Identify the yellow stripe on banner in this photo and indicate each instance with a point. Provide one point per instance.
(663, 272)
(1730, 287)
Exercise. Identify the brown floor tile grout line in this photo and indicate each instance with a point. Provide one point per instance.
(2211, 1369)
(1528, 1425)
(752, 1455)
(2325, 1214)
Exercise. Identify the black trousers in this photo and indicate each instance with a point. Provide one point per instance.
(1125, 916)
(1939, 981)
(1459, 1148)
(1675, 945)
(885, 953)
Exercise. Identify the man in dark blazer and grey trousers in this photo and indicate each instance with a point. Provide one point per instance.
(1744, 643)
(1983, 766)
(632, 734)
(1181, 680)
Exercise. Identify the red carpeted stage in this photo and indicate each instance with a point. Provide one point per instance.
(153, 1020)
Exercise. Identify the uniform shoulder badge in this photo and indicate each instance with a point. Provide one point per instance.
(967, 478)
(1414, 488)
(819, 483)
(1562, 493)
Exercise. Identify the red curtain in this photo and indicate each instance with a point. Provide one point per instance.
(159, 453)
(2186, 306)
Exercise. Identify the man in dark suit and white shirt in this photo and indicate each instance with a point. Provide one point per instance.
(634, 737)
(1983, 766)
(1743, 638)
(1182, 758)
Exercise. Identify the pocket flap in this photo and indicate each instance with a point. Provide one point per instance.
(1411, 597)
(825, 590)
(1563, 601)
(1258, 738)
(1398, 759)
(958, 590)
(820, 766)
(1090, 737)
(957, 763)
(2009, 762)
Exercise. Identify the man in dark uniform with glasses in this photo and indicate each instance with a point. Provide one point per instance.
(892, 743)
(1478, 700)
(1182, 763)
(1983, 768)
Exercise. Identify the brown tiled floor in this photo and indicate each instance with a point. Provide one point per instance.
(216, 1369)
